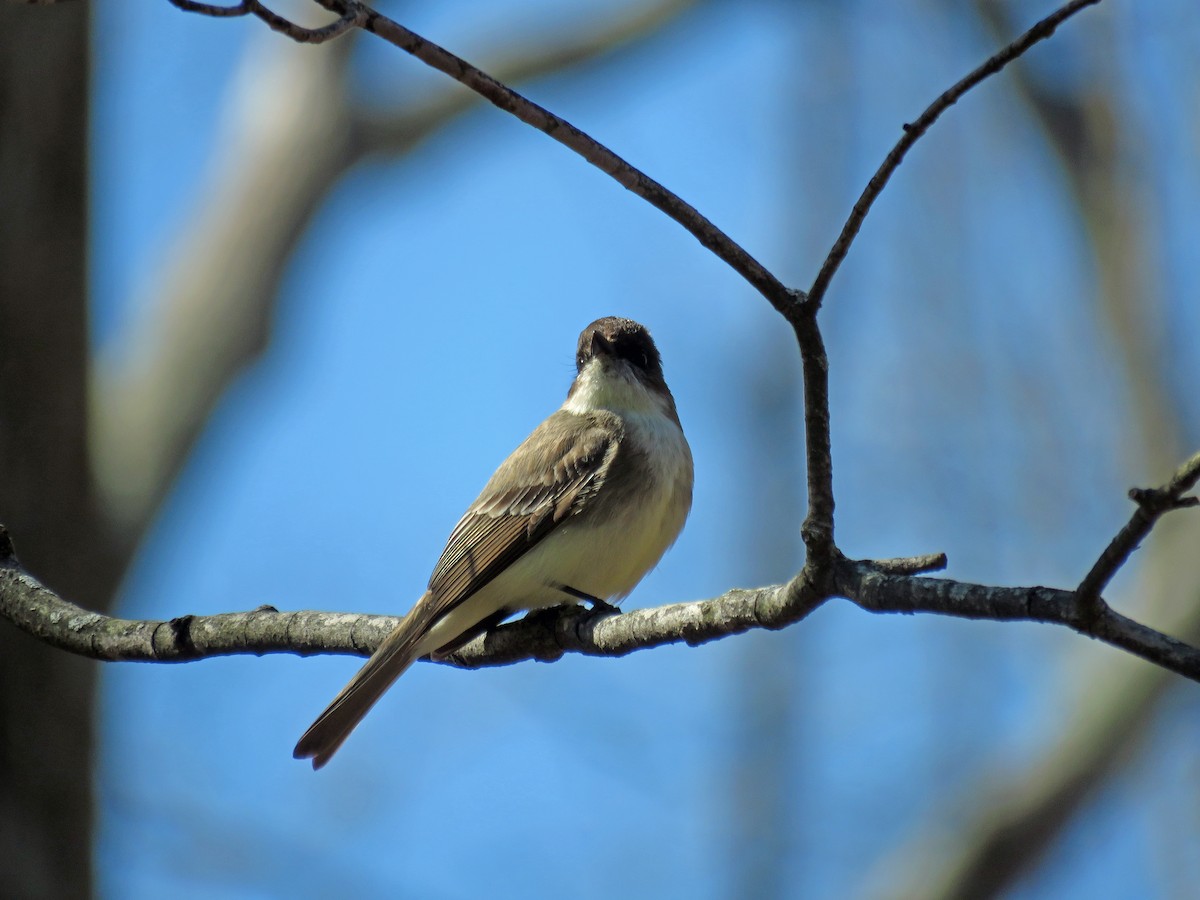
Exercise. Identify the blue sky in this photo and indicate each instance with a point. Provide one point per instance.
(966, 368)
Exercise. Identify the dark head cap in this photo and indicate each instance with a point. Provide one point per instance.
(620, 338)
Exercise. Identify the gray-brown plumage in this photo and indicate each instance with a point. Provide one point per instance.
(600, 489)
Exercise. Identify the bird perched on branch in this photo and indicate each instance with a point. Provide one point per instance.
(581, 510)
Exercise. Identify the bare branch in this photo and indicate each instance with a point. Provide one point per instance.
(544, 636)
(212, 9)
(817, 529)
(878, 592)
(351, 17)
(786, 301)
(913, 132)
(547, 636)
(1152, 504)
(873, 588)
(393, 132)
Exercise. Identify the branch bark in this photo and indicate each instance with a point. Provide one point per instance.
(885, 586)
(37, 610)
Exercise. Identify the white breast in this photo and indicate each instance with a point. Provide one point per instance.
(652, 525)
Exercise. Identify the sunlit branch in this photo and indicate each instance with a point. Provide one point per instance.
(885, 586)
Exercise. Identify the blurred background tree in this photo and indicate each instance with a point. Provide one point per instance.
(46, 493)
(216, 409)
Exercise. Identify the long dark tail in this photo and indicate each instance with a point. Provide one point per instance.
(397, 652)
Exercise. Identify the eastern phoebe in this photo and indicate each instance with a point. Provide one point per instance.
(584, 508)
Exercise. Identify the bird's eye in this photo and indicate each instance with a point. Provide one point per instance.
(645, 362)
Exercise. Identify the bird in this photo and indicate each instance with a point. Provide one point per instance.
(580, 511)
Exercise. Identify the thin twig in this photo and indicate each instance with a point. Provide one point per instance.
(350, 16)
(908, 565)
(1152, 504)
(914, 131)
(212, 9)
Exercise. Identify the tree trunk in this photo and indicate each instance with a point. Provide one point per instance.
(47, 500)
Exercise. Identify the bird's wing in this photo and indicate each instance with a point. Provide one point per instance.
(531, 493)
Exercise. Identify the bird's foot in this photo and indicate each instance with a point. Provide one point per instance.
(598, 607)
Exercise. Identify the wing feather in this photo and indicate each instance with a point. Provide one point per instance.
(540, 485)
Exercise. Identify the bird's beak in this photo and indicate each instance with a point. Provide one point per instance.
(601, 344)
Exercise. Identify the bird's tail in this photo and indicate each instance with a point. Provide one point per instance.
(399, 650)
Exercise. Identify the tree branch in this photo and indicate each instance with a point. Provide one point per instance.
(548, 635)
(351, 17)
(787, 301)
(396, 131)
(1152, 504)
(882, 593)
(212, 9)
(1080, 610)
(877, 586)
(544, 636)
(915, 130)
(817, 529)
